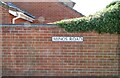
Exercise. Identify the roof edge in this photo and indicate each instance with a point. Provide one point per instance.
(31, 25)
(4, 5)
(68, 3)
(8, 7)
(72, 8)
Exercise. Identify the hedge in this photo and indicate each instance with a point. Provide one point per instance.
(105, 21)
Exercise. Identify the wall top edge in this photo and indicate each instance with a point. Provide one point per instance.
(28, 25)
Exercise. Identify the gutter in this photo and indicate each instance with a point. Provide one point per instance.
(20, 15)
(13, 20)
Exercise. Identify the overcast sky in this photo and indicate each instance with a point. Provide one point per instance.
(87, 7)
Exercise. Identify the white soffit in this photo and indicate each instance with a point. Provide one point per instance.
(22, 15)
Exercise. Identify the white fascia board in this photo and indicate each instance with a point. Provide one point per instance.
(26, 17)
(14, 13)
(22, 15)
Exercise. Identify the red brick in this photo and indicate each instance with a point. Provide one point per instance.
(94, 56)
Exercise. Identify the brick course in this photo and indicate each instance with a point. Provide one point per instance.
(30, 51)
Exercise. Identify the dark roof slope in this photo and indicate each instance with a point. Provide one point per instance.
(10, 5)
(51, 11)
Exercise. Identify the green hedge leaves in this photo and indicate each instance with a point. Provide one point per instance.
(105, 21)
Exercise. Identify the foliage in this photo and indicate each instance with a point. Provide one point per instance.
(112, 3)
(105, 21)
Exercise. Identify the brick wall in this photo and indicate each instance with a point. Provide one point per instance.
(4, 15)
(29, 50)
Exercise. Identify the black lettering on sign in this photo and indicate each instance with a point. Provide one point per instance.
(67, 39)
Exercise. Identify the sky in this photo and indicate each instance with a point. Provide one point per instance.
(88, 7)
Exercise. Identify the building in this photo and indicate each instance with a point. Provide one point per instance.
(37, 12)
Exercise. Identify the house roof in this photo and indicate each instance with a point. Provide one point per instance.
(10, 4)
(62, 10)
(68, 3)
(51, 11)
(14, 7)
